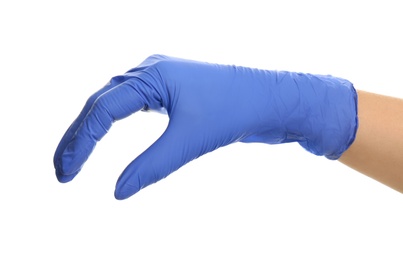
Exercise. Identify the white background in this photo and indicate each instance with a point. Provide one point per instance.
(249, 201)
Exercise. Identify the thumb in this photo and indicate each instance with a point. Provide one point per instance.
(176, 147)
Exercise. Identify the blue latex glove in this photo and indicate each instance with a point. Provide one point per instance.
(210, 106)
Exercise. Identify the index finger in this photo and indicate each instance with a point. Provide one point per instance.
(111, 103)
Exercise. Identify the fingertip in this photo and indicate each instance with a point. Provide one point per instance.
(120, 196)
(63, 178)
(125, 191)
(65, 174)
(72, 159)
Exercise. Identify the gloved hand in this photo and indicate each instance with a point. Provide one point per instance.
(210, 106)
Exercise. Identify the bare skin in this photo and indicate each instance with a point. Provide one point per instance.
(377, 150)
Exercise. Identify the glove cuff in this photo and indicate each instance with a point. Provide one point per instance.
(331, 120)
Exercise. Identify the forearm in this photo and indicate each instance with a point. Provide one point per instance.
(378, 148)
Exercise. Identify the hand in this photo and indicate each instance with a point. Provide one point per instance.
(210, 106)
